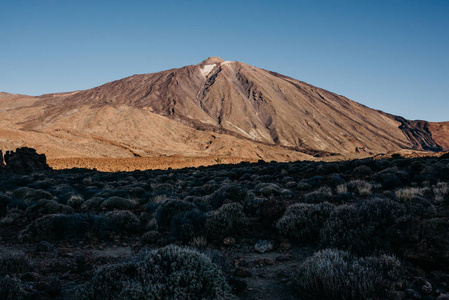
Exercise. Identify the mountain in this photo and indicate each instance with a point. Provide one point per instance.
(217, 107)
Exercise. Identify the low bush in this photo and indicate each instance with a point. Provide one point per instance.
(123, 221)
(119, 203)
(303, 222)
(187, 225)
(361, 172)
(59, 226)
(11, 216)
(227, 194)
(304, 186)
(167, 273)
(323, 194)
(11, 288)
(163, 188)
(30, 194)
(425, 242)
(268, 189)
(361, 228)
(139, 194)
(150, 237)
(4, 201)
(93, 203)
(227, 220)
(14, 263)
(46, 207)
(168, 209)
(441, 192)
(75, 201)
(360, 187)
(334, 274)
(420, 207)
(408, 193)
(390, 178)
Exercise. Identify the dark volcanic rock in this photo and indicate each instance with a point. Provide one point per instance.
(23, 160)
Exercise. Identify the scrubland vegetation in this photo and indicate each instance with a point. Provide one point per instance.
(362, 229)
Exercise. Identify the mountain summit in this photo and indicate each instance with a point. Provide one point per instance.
(216, 107)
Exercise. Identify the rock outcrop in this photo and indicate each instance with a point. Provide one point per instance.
(23, 160)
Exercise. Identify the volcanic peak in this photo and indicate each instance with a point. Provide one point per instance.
(211, 61)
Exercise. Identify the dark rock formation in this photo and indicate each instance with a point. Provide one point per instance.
(419, 134)
(23, 160)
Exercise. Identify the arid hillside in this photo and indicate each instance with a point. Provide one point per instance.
(213, 109)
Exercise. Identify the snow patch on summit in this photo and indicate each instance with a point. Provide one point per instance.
(207, 69)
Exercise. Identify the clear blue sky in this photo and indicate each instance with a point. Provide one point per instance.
(391, 55)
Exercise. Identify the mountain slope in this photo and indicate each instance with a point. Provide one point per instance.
(214, 108)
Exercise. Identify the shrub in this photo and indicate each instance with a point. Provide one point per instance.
(304, 186)
(441, 191)
(150, 237)
(333, 274)
(168, 209)
(59, 226)
(268, 189)
(26, 193)
(416, 166)
(167, 273)
(93, 203)
(119, 203)
(361, 172)
(123, 221)
(75, 201)
(187, 225)
(42, 184)
(342, 189)
(46, 207)
(14, 263)
(10, 288)
(199, 242)
(360, 187)
(227, 194)
(390, 178)
(139, 194)
(435, 171)
(204, 190)
(361, 228)
(163, 188)
(303, 222)
(11, 217)
(323, 194)
(408, 193)
(64, 192)
(227, 220)
(4, 201)
(158, 198)
(419, 207)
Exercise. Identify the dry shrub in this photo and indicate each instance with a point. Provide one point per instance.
(227, 220)
(441, 191)
(360, 187)
(303, 221)
(167, 273)
(408, 193)
(334, 274)
(361, 228)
